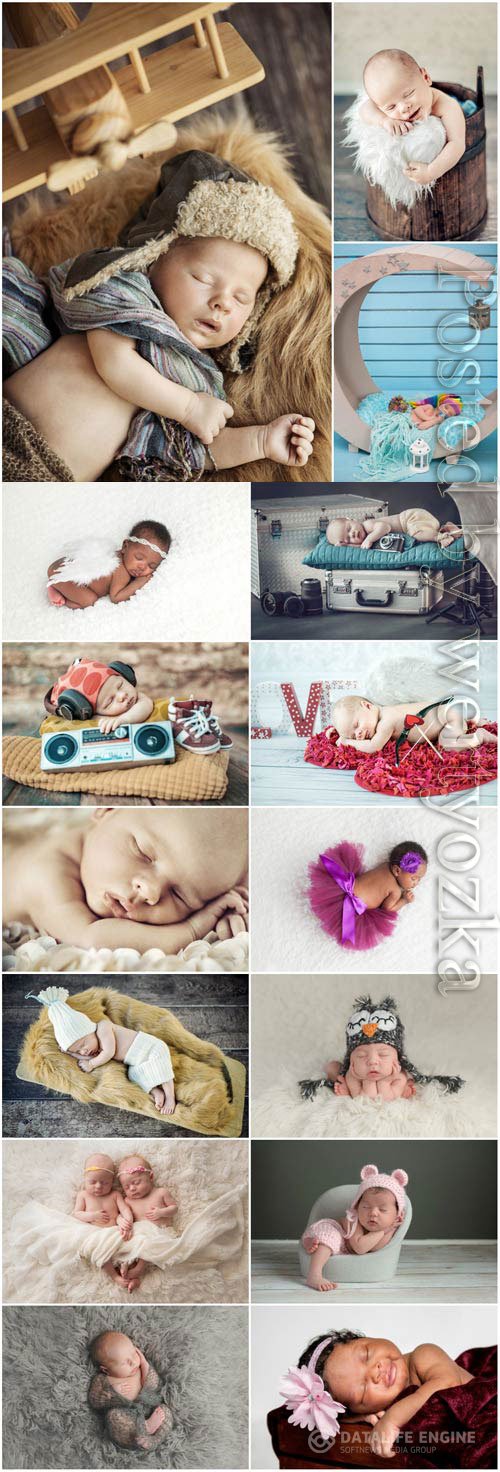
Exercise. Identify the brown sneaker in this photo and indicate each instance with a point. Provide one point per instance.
(225, 741)
(186, 708)
(191, 728)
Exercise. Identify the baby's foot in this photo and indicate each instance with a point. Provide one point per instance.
(112, 1272)
(317, 1281)
(155, 1420)
(483, 737)
(163, 1097)
(56, 598)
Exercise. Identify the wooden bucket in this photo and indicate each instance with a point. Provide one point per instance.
(457, 209)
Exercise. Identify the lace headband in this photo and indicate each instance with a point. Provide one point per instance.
(312, 1407)
(410, 862)
(144, 543)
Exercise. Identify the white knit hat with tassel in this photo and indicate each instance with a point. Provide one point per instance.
(68, 1024)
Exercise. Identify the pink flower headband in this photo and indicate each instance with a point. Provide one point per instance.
(133, 1170)
(410, 862)
(312, 1407)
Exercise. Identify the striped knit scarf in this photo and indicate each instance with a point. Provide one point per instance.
(35, 313)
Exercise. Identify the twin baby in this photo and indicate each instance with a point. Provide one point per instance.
(136, 1198)
(134, 877)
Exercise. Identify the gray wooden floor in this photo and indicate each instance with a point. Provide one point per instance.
(354, 625)
(429, 1272)
(351, 220)
(213, 1007)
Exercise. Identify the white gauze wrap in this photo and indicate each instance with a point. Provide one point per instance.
(382, 156)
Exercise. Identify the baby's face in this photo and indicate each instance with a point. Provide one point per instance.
(85, 1047)
(99, 1175)
(409, 881)
(135, 1183)
(119, 1357)
(373, 1061)
(157, 867)
(377, 1210)
(366, 1375)
(116, 696)
(345, 533)
(358, 720)
(209, 288)
(403, 93)
(139, 560)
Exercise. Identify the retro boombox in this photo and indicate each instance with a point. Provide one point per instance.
(127, 746)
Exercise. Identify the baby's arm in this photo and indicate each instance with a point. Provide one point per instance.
(393, 1088)
(121, 367)
(287, 441)
(450, 112)
(437, 1372)
(377, 119)
(81, 928)
(122, 586)
(164, 1210)
(125, 1221)
(80, 1207)
(138, 712)
(354, 1087)
(363, 1242)
(384, 733)
(107, 1041)
(376, 529)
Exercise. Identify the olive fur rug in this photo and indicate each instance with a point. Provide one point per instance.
(202, 1354)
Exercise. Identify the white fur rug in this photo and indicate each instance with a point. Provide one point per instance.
(382, 156)
(286, 935)
(50, 1171)
(297, 1026)
(199, 593)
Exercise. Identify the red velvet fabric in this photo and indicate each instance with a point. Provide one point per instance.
(456, 1428)
(422, 771)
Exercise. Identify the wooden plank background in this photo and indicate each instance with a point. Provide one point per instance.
(399, 321)
(213, 1007)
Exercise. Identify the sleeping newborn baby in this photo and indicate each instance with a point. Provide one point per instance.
(407, 132)
(124, 1375)
(146, 1202)
(98, 1205)
(89, 688)
(416, 522)
(374, 1071)
(369, 1224)
(368, 727)
(92, 568)
(146, 1058)
(133, 877)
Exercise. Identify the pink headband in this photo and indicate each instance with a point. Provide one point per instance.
(312, 1407)
(133, 1170)
(410, 862)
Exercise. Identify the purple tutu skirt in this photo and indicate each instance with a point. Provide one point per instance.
(332, 900)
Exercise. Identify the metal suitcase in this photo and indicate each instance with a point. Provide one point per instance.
(406, 590)
(285, 529)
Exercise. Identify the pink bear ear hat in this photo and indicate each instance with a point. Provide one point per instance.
(371, 1176)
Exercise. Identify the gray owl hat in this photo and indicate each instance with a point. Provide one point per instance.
(198, 195)
(373, 1022)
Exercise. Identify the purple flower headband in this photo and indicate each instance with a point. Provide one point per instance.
(410, 862)
(312, 1407)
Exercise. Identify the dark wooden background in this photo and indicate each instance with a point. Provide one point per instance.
(213, 1007)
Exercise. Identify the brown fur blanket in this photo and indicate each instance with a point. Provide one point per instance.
(206, 1099)
(292, 368)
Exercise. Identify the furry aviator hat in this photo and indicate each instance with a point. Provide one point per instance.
(200, 195)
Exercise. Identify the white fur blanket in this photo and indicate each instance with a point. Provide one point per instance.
(280, 1112)
(382, 156)
(49, 1256)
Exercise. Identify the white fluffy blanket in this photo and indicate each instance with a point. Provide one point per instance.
(49, 1256)
(382, 156)
(282, 1113)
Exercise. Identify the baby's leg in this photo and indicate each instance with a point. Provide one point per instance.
(134, 1274)
(454, 735)
(315, 1277)
(163, 1097)
(112, 1272)
(68, 592)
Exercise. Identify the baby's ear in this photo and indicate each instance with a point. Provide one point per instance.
(98, 813)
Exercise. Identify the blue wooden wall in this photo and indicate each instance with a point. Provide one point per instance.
(398, 326)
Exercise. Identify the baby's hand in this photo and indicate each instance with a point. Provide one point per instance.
(101, 1216)
(409, 897)
(110, 723)
(391, 126)
(206, 416)
(154, 1213)
(383, 1436)
(202, 921)
(340, 1086)
(125, 1227)
(419, 173)
(289, 439)
(85, 1064)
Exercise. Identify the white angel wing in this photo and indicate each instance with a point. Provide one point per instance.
(87, 559)
(395, 679)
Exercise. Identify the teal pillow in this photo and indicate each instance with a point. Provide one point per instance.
(416, 554)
